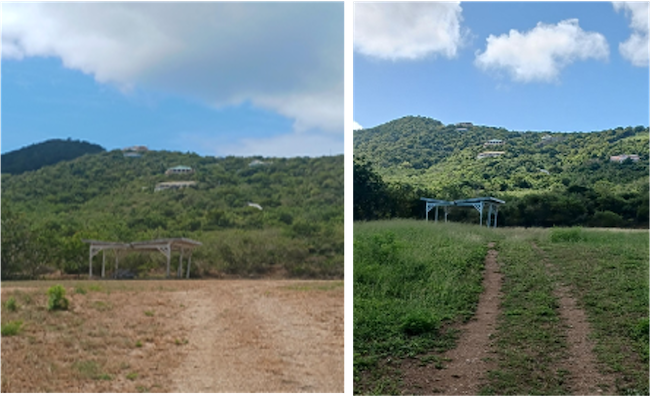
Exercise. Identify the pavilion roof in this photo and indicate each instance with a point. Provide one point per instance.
(174, 243)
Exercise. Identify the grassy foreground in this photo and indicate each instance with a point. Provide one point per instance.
(413, 282)
(607, 272)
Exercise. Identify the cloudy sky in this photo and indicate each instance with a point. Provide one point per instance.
(579, 66)
(211, 78)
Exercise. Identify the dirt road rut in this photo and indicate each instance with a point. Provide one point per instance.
(263, 336)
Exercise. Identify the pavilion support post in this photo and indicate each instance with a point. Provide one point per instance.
(496, 215)
(445, 214)
(480, 211)
(169, 258)
(180, 265)
(426, 212)
(436, 214)
(103, 263)
(116, 263)
(489, 216)
(189, 263)
(90, 262)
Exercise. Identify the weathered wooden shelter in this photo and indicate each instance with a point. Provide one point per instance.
(479, 203)
(164, 246)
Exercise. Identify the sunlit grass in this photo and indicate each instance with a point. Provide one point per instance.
(411, 281)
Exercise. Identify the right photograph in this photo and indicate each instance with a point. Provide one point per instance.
(501, 211)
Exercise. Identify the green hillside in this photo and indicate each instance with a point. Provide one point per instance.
(419, 153)
(41, 154)
(297, 233)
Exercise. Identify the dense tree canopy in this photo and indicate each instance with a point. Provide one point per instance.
(546, 178)
(106, 196)
(45, 153)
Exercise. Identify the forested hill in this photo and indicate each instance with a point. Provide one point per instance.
(50, 152)
(535, 169)
(108, 196)
(424, 152)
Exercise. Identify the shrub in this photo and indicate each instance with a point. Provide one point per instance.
(573, 234)
(80, 290)
(640, 333)
(11, 304)
(57, 299)
(384, 248)
(419, 322)
(11, 328)
(607, 219)
(640, 330)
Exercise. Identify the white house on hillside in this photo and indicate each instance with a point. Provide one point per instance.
(489, 154)
(179, 169)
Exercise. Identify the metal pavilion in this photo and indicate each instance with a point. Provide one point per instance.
(479, 203)
(164, 246)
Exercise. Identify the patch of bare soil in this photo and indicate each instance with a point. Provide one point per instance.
(166, 336)
(584, 377)
(263, 336)
(112, 339)
(469, 362)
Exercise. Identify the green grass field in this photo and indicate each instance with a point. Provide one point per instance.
(414, 283)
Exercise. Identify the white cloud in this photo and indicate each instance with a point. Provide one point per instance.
(407, 30)
(541, 53)
(356, 126)
(285, 57)
(635, 48)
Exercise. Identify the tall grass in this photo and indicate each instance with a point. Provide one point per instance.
(607, 272)
(411, 279)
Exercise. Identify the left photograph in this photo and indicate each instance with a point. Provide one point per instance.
(172, 197)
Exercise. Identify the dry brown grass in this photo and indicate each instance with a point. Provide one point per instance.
(118, 336)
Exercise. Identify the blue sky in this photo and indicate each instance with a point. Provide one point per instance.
(211, 78)
(548, 67)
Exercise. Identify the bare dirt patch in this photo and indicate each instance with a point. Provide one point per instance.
(165, 336)
(584, 377)
(270, 336)
(467, 364)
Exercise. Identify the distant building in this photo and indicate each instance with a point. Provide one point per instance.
(493, 142)
(622, 157)
(132, 154)
(173, 185)
(135, 149)
(547, 138)
(465, 125)
(489, 154)
(257, 163)
(543, 171)
(179, 169)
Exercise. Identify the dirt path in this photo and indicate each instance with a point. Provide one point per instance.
(584, 378)
(263, 336)
(467, 367)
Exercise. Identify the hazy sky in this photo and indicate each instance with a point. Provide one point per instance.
(212, 78)
(556, 66)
